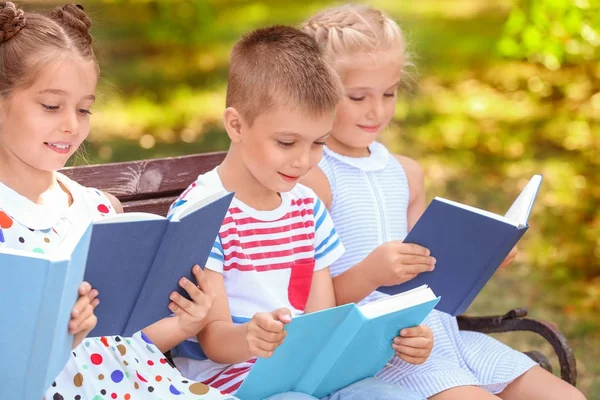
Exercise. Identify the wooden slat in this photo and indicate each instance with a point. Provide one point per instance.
(145, 179)
(155, 206)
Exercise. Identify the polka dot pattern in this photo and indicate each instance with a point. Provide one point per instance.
(101, 368)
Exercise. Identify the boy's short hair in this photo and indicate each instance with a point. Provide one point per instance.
(281, 65)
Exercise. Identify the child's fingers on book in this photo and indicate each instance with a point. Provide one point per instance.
(416, 331)
(411, 351)
(415, 269)
(81, 303)
(269, 323)
(84, 288)
(414, 342)
(270, 337)
(412, 248)
(416, 259)
(77, 324)
(194, 291)
(267, 347)
(201, 280)
(181, 301)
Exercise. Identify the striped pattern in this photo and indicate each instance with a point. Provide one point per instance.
(267, 259)
(370, 204)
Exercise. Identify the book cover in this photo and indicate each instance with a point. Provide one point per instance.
(469, 244)
(330, 349)
(136, 261)
(39, 292)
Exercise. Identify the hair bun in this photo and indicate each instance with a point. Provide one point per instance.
(12, 20)
(74, 18)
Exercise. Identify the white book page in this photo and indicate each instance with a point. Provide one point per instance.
(400, 301)
(191, 206)
(476, 210)
(520, 210)
(128, 217)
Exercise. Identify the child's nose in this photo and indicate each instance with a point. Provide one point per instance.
(377, 109)
(69, 123)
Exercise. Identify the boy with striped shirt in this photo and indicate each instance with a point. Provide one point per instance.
(271, 259)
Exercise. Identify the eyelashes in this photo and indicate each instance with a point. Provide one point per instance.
(290, 144)
(83, 111)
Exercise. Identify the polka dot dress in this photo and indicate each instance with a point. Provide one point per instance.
(99, 368)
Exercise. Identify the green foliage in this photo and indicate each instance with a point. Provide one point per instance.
(553, 32)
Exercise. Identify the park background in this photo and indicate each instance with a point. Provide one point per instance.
(504, 89)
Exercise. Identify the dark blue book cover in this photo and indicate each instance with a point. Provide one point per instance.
(137, 259)
(468, 244)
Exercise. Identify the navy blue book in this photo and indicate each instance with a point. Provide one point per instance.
(330, 349)
(38, 295)
(469, 244)
(136, 260)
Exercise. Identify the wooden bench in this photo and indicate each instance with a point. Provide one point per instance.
(152, 185)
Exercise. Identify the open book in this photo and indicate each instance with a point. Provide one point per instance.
(469, 244)
(331, 349)
(136, 261)
(38, 295)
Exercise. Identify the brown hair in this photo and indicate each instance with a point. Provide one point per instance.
(281, 65)
(30, 40)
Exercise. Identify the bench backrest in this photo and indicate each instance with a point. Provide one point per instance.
(146, 185)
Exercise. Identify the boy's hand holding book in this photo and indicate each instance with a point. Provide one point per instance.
(83, 319)
(396, 262)
(414, 345)
(265, 331)
(191, 314)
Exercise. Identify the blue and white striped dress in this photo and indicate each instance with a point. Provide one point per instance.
(369, 207)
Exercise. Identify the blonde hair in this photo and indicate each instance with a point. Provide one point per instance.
(354, 29)
(281, 65)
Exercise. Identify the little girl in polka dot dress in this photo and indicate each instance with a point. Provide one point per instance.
(48, 76)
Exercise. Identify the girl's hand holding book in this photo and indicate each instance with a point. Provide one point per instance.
(414, 345)
(510, 258)
(83, 319)
(191, 314)
(396, 262)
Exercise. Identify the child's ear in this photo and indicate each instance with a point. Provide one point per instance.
(233, 124)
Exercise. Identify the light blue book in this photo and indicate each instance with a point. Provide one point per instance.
(38, 295)
(331, 349)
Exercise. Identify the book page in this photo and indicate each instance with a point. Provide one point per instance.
(400, 301)
(520, 210)
(196, 204)
(128, 217)
(477, 210)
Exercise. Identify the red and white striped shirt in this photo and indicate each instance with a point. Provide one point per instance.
(267, 259)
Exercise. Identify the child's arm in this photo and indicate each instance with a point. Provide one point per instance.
(114, 202)
(226, 343)
(321, 294)
(190, 316)
(416, 188)
(389, 264)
